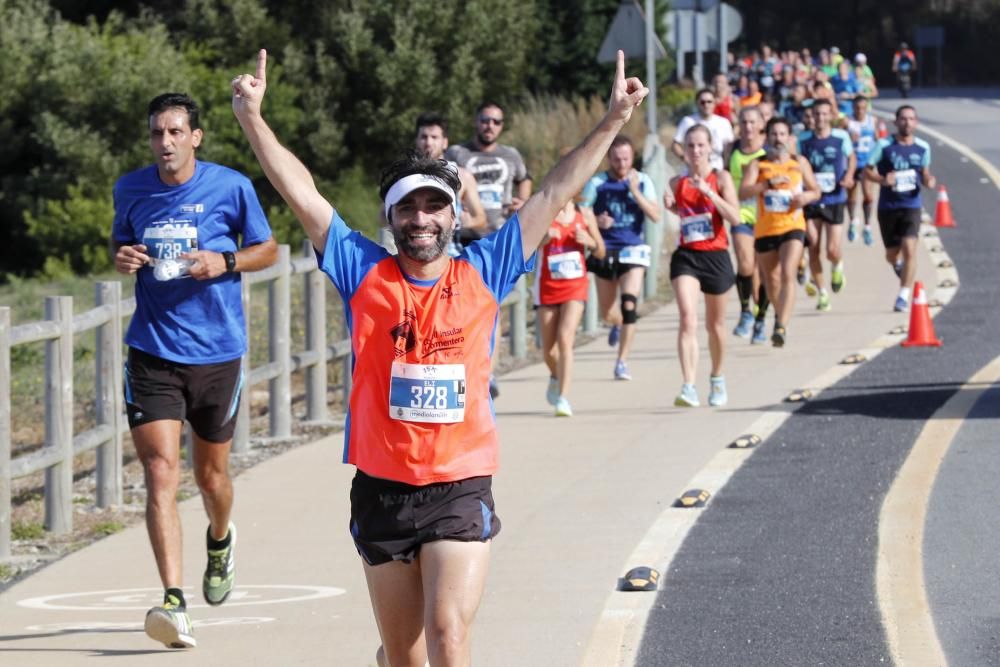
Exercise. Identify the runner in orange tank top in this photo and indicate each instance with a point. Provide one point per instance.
(783, 184)
(702, 198)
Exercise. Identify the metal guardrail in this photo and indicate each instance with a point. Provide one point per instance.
(60, 327)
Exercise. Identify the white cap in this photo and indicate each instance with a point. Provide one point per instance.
(834, 49)
(408, 184)
(860, 58)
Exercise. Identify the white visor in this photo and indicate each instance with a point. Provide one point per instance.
(408, 184)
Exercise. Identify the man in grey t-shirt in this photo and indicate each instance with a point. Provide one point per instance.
(496, 167)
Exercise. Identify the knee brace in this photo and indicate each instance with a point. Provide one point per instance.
(629, 314)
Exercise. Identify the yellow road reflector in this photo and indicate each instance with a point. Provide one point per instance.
(935, 303)
(936, 248)
(948, 282)
(853, 359)
(799, 395)
(930, 233)
(693, 498)
(640, 578)
(945, 264)
(746, 441)
(895, 331)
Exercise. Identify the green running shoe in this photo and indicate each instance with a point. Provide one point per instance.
(221, 571)
(837, 279)
(170, 624)
(823, 302)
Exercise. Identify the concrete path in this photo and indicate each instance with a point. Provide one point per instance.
(576, 497)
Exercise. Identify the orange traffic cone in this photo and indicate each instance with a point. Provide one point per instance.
(921, 327)
(942, 214)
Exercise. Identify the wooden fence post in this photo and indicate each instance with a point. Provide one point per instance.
(241, 437)
(109, 370)
(519, 321)
(279, 338)
(5, 432)
(59, 416)
(315, 304)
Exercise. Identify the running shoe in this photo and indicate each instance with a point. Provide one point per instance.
(745, 325)
(778, 337)
(837, 279)
(901, 304)
(170, 624)
(220, 573)
(759, 335)
(621, 371)
(852, 231)
(494, 387)
(802, 273)
(898, 268)
(563, 408)
(823, 302)
(811, 289)
(614, 335)
(717, 395)
(688, 398)
(866, 234)
(552, 393)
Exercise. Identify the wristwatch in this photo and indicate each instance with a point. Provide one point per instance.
(230, 258)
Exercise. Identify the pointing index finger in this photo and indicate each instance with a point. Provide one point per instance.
(620, 66)
(261, 64)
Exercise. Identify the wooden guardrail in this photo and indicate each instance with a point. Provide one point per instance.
(60, 328)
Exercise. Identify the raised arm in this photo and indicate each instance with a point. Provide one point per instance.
(569, 175)
(287, 174)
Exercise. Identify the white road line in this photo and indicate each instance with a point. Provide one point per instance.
(618, 633)
(899, 571)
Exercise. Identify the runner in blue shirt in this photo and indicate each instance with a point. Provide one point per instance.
(901, 164)
(861, 127)
(186, 229)
(831, 155)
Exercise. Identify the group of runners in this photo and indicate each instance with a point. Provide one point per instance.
(464, 227)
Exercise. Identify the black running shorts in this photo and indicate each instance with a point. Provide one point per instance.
(769, 243)
(897, 224)
(207, 395)
(391, 520)
(832, 214)
(609, 268)
(712, 268)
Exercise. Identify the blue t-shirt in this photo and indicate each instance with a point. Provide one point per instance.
(828, 158)
(176, 317)
(909, 162)
(605, 195)
(866, 138)
(849, 85)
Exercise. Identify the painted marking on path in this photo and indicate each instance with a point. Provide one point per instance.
(133, 599)
(109, 626)
(899, 570)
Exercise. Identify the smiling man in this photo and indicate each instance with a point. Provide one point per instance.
(420, 426)
(186, 229)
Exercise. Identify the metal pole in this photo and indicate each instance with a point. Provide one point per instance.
(59, 416)
(699, 58)
(590, 314)
(650, 67)
(723, 44)
(681, 53)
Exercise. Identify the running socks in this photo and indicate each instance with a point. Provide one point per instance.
(744, 287)
(762, 302)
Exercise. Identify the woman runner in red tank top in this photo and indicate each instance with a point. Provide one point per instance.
(702, 199)
(561, 288)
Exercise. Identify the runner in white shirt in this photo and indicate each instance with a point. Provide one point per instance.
(720, 128)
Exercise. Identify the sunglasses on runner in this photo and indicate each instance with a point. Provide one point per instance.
(489, 120)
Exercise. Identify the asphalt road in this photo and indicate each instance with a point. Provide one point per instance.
(780, 568)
